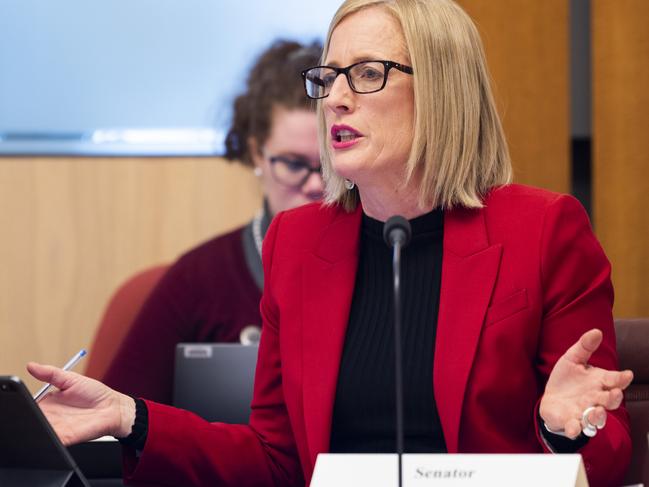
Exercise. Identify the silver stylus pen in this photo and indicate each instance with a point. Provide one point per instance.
(70, 363)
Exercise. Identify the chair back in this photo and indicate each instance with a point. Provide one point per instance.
(633, 353)
(119, 315)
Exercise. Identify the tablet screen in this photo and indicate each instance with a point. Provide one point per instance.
(27, 441)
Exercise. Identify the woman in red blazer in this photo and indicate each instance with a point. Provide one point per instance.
(524, 351)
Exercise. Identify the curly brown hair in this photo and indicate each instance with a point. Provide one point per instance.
(274, 80)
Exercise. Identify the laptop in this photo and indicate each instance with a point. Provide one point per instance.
(30, 452)
(215, 380)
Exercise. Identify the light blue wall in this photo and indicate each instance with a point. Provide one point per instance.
(69, 67)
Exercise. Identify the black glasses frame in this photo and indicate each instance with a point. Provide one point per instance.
(285, 159)
(388, 65)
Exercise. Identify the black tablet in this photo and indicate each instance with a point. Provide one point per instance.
(30, 452)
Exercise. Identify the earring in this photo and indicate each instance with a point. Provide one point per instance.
(257, 171)
(349, 184)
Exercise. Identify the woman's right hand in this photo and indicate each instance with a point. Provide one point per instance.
(83, 409)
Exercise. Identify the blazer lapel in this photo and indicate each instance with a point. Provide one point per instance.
(469, 270)
(328, 284)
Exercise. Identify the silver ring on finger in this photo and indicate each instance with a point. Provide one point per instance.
(589, 429)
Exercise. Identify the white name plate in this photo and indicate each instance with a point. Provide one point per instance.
(471, 470)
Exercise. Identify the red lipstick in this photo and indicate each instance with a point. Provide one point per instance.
(344, 136)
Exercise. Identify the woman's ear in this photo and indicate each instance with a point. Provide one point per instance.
(255, 152)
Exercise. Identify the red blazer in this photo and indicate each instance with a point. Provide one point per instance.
(522, 279)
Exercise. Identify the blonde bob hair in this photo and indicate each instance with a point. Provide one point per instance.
(458, 149)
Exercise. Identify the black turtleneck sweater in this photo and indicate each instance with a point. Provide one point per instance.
(364, 410)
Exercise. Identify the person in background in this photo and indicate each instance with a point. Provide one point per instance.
(508, 334)
(212, 293)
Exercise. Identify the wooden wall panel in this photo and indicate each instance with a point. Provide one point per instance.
(527, 48)
(73, 229)
(620, 50)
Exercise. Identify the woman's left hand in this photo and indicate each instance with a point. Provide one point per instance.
(574, 386)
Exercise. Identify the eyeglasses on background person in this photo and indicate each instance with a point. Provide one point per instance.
(363, 77)
(291, 171)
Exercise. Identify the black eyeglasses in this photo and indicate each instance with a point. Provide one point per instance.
(291, 171)
(364, 77)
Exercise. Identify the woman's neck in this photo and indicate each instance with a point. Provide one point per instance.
(382, 202)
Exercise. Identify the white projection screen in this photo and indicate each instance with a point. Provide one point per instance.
(124, 77)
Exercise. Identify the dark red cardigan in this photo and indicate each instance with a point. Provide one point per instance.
(208, 295)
